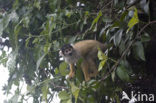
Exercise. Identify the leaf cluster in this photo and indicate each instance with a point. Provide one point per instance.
(34, 30)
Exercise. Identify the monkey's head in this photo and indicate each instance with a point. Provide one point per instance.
(66, 50)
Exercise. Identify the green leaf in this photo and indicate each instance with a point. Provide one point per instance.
(75, 91)
(86, 13)
(117, 98)
(12, 60)
(126, 64)
(45, 89)
(26, 21)
(122, 46)
(79, 73)
(56, 70)
(134, 20)
(56, 45)
(113, 76)
(14, 98)
(139, 50)
(16, 32)
(5, 21)
(63, 68)
(37, 4)
(63, 95)
(101, 55)
(39, 61)
(31, 89)
(1, 27)
(106, 19)
(68, 13)
(116, 24)
(101, 65)
(96, 19)
(91, 99)
(67, 101)
(145, 38)
(35, 40)
(27, 41)
(122, 73)
(117, 37)
(47, 47)
(123, 16)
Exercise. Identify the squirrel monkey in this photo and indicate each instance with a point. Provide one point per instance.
(87, 50)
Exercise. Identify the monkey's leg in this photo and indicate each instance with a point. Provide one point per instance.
(71, 73)
(84, 66)
(93, 68)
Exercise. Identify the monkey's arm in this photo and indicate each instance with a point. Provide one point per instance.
(71, 73)
(84, 66)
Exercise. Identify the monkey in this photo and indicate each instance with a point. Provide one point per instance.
(87, 50)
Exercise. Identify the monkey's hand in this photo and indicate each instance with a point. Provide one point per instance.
(71, 75)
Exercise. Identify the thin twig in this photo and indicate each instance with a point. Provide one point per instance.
(107, 4)
(66, 26)
(114, 67)
(132, 4)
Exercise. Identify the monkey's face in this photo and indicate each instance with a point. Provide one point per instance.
(66, 50)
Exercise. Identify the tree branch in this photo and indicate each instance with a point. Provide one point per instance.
(114, 67)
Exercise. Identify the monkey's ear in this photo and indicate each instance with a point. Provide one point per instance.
(60, 53)
(72, 44)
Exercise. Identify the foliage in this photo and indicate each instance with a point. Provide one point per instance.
(36, 29)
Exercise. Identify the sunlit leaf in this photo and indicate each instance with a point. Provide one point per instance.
(63, 95)
(134, 20)
(101, 55)
(103, 59)
(69, 101)
(96, 19)
(63, 69)
(68, 13)
(101, 65)
(56, 70)
(75, 91)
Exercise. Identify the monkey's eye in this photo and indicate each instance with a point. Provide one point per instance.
(66, 51)
(70, 49)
